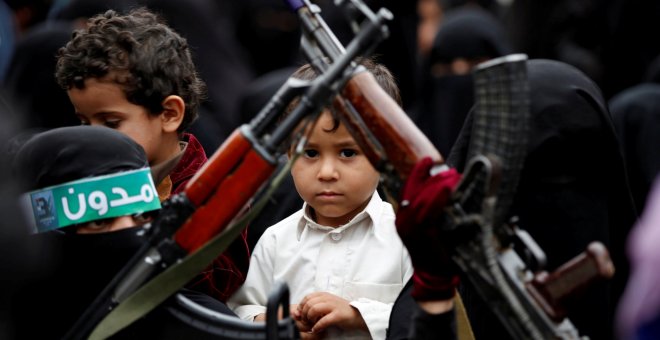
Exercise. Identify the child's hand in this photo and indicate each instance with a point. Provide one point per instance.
(301, 323)
(280, 313)
(321, 310)
(305, 330)
(304, 326)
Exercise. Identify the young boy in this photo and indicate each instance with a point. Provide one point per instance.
(134, 74)
(340, 254)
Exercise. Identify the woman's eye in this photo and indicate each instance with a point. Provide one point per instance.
(113, 124)
(99, 224)
(143, 218)
(348, 153)
(311, 153)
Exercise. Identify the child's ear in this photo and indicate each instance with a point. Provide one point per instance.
(173, 110)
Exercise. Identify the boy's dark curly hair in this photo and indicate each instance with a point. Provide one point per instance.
(142, 54)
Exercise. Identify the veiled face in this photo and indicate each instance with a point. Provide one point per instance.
(112, 224)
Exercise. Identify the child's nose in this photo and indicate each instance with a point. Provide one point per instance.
(328, 170)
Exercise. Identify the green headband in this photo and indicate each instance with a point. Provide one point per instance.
(89, 199)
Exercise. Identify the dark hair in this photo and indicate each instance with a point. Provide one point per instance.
(145, 56)
(383, 76)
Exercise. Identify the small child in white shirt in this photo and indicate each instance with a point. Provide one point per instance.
(340, 254)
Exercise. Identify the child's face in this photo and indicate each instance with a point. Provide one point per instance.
(333, 175)
(102, 102)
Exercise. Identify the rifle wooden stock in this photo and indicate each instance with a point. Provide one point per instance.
(552, 290)
(402, 141)
(230, 177)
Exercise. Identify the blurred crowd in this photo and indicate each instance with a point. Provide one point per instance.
(240, 47)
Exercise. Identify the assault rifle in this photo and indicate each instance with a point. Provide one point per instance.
(197, 225)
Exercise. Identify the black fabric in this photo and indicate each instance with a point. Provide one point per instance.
(573, 188)
(470, 33)
(31, 80)
(19, 256)
(78, 267)
(257, 94)
(434, 326)
(652, 74)
(401, 318)
(447, 101)
(409, 321)
(83, 9)
(636, 116)
(71, 153)
(163, 322)
(467, 33)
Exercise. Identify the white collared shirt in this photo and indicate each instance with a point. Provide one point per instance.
(363, 261)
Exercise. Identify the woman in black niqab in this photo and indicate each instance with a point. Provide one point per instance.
(76, 267)
(636, 116)
(573, 188)
(468, 35)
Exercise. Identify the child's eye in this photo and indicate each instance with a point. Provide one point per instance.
(311, 153)
(113, 124)
(348, 153)
(82, 122)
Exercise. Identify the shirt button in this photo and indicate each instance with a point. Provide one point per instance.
(336, 236)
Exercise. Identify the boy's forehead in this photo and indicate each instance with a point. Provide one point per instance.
(329, 135)
(327, 124)
(327, 130)
(96, 95)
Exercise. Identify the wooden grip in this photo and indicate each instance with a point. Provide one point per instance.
(551, 290)
(219, 165)
(403, 144)
(224, 185)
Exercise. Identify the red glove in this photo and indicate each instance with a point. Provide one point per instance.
(418, 222)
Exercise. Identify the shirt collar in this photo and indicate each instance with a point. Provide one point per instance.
(372, 210)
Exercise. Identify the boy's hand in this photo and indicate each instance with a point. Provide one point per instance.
(304, 327)
(305, 330)
(318, 311)
(280, 313)
(418, 223)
